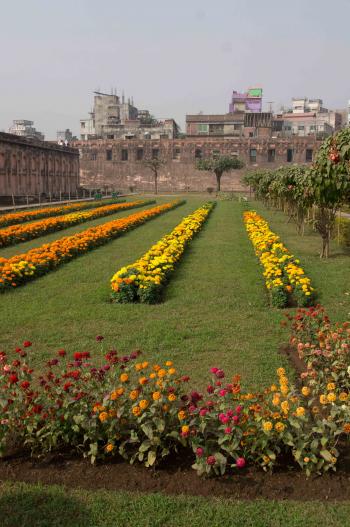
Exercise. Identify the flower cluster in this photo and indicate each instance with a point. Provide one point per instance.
(284, 277)
(13, 218)
(21, 268)
(144, 279)
(28, 231)
(143, 412)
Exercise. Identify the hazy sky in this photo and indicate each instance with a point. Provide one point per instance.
(177, 57)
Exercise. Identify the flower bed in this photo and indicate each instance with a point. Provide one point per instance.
(21, 268)
(144, 280)
(285, 279)
(12, 218)
(144, 412)
(28, 231)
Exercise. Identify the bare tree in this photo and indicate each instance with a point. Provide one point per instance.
(154, 165)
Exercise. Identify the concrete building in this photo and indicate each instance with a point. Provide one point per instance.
(118, 164)
(237, 124)
(25, 128)
(309, 116)
(114, 118)
(64, 135)
(250, 101)
(32, 168)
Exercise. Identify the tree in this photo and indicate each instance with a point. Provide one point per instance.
(154, 165)
(219, 165)
(329, 183)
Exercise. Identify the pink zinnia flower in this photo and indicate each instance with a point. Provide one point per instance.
(211, 460)
(240, 462)
(199, 451)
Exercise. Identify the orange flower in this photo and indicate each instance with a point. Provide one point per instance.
(134, 395)
(103, 417)
(156, 396)
(124, 377)
(172, 397)
(143, 404)
(143, 380)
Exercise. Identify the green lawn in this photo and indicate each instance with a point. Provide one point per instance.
(24, 505)
(215, 313)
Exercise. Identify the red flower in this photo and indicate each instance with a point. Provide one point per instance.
(61, 353)
(78, 355)
(18, 350)
(25, 384)
(27, 343)
(13, 378)
(37, 408)
(67, 386)
(75, 374)
(99, 338)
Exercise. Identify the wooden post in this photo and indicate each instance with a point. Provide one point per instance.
(60, 195)
(13, 201)
(27, 198)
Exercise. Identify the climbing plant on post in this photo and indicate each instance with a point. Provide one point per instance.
(328, 180)
(219, 165)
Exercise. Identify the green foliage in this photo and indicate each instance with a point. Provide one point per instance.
(342, 231)
(219, 165)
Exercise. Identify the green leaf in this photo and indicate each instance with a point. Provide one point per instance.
(151, 458)
(326, 455)
(147, 429)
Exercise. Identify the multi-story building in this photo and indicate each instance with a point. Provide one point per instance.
(249, 101)
(25, 128)
(114, 118)
(237, 124)
(64, 135)
(309, 116)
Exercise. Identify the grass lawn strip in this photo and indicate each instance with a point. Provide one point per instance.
(28, 231)
(24, 267)
(145, 279)
(11, 218)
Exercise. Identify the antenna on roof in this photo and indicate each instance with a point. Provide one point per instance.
(270, 103)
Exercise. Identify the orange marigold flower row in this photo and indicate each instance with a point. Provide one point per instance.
(21, 268)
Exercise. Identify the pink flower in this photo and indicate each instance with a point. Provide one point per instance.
(224, 419)
(235, 419)
(228, 430)
(222, 393)
(211, 460)
(239, 408)
(7, 368)
(220, 374)
(199, 451)
(229, 413)
(210, 388)
(203, 412)
(214, 370)
(240, 462)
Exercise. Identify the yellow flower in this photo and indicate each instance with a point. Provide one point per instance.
(279, 426)
(343, 396)
(103, 416)
(305, 391)
(284, 389)
(171, 371)
(124, 377)
(330, 386)
(285, 407)
(168, 363)
(273, 388)
(120, 391)
(300, 411)
(181, 415)
(143, 404)
(161, 373)
(276, 400)
(138, 366)
(152, 376)
(281, 371)
(185, 429)
(136, 410)
(283, 380)
(172, 397)
(331, 397)
(323, 399)
(145, 364)
(156, 396)
(134, 395)
(267, 426)
(109, 447)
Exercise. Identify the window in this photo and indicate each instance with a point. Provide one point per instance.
(271, 155)
(301, 127)
(203, 128)
(155, 153)
(251, 134)
(110, 136)
(124, 154)
(237, 127)
(216, 154)
(198, 154)
(252, 155)
(312, 128)
(289, 155)
(139, 154)
(109, 155)
(308, 155)
(93, 156)
(83, 125)
(176, 153)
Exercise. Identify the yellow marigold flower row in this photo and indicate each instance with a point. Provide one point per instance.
(29, 231)
(282, 272)
(144, 279)
(21, 268)
(13, 218)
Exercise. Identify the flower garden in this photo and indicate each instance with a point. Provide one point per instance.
(183, 367)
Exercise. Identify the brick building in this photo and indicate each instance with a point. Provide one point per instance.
(29, 168)
(118, 164)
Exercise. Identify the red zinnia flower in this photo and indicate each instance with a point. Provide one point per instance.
(25, 385)
(27, 343)
(67, 386)
(61, 353)
(13, 378)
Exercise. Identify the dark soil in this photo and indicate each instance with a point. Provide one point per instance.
(247, 484)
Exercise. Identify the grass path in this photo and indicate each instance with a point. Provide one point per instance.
(24, 505)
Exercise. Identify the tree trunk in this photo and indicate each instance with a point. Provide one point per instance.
(218, 181)
(156, 182)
